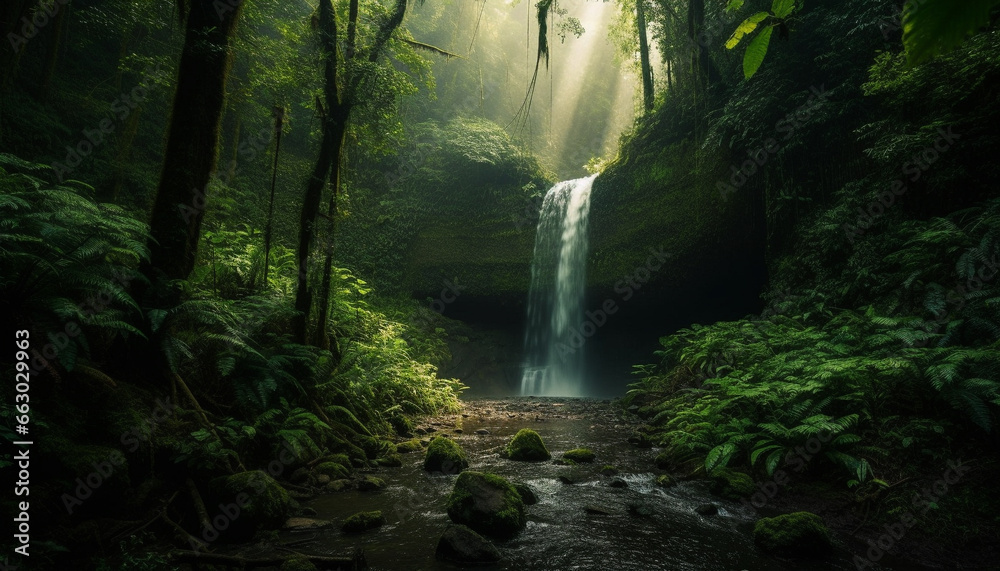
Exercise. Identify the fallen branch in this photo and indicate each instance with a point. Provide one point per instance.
(355, 562)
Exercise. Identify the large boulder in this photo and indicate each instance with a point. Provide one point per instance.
(463, 545)
(444, 455)
(527, 445)
(488, 504)
(795, 534)
(261, 501)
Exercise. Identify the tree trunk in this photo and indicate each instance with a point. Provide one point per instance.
(279, 117)
(52, 55)
(323, 332)
(704, 71)
(334, 127)
(647, 70)
(13, 12)
(193, 135)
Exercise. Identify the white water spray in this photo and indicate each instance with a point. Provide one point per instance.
(553, 364)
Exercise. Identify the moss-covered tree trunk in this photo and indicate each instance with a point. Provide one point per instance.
(193, 136)
(334, 128)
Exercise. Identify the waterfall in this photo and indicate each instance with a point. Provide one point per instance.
(553, 345)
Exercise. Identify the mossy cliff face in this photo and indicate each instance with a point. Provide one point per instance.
(658, 228)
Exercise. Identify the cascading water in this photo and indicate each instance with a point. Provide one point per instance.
(553, 357)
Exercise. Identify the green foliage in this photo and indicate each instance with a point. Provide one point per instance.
(781, 10)
(932, 27)
(67, 260)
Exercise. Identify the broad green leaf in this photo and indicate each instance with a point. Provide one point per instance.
(719, 456)
(748, 26)
(932, 27)
(782, 8)
(756, 52)
(734, 5)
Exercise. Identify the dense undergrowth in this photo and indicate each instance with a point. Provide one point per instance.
(876, 365)
(234, 391)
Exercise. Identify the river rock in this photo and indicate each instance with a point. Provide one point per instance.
(527, 494)
(618, 483)
(488, 504)
(597, 510)
(268, 507)
(640, 510)
(579, 455)
(408, 446)
(483, 432)
(461, 544)
(338, 485)
(527, 446)
(322, 480)
(707, 509)
(363, 521)
(640, 440)
(370, 484)
(796, 534)
(306, 523)
(444, 455)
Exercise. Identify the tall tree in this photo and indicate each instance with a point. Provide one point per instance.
(343, 76)
(193, 135)
(647, 70)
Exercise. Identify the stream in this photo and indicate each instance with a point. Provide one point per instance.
(560, 534)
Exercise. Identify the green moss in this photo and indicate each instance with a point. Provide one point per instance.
(371, 484)
(445, 455)
(268, 506)
(488, 504)
(333, 469)
(409, 446)
(527, 446)
(390, 461)
(298, 564)
(795, 534)
(363, 521)
(731, 485)
(665, 481)
(608, 470)
(579, 455)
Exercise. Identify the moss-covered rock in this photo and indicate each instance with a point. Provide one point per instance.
(393, 460)
(298, 564)
(488, 504)
(665, 481)
(370, 484)
(409, 446)
(463, 545)
(796, 534)
(731, 485)
(333, 470)
(527, 446)
(363, 521)
(445, 455)
(579, 455)
(265, 504)
(527, 494)
(608, 470)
